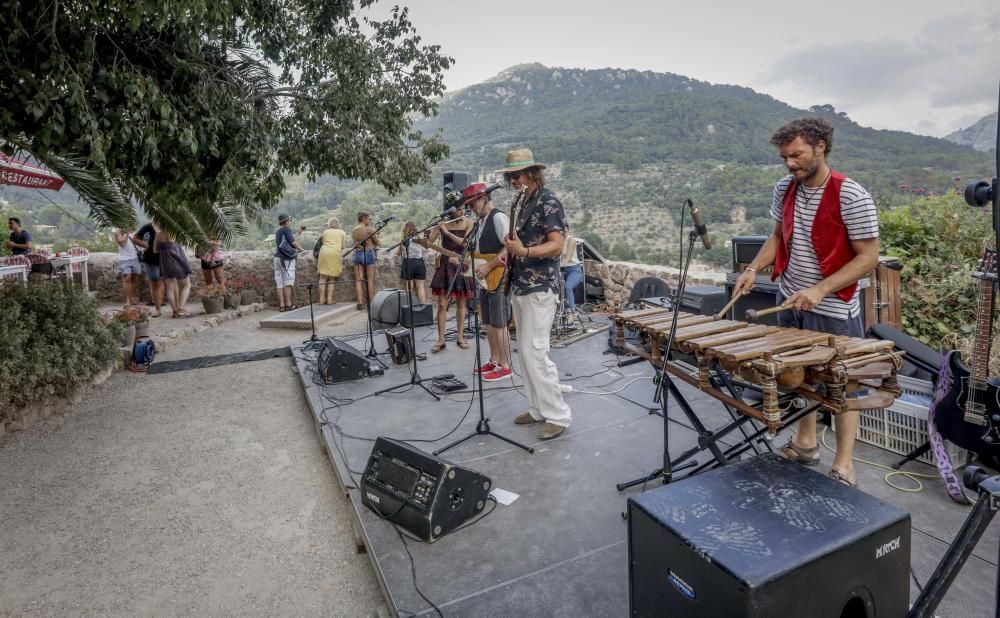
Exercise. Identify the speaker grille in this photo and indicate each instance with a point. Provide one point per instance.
(397, 476)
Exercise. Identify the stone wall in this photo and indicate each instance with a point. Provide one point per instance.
(618, 277)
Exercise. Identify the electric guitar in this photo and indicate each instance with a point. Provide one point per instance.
(508, 273)
(969, 413)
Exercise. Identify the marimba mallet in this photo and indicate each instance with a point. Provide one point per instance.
(752, 314)
(729, 305)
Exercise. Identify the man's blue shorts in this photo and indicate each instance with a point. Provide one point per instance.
(364, 258)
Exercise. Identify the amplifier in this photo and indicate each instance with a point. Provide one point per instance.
(766, 537)
(704, 299)
(423, 494)
(745, 249)
(338, 361)
(423, 315)
(763, 296)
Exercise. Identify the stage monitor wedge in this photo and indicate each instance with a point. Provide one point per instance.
(425, 495)
(338, 361)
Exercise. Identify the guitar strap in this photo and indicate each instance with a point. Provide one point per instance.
(944, 465)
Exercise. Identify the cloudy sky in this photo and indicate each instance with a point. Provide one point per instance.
(924, 66)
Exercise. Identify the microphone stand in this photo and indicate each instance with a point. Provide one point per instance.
(312, 319)
(483, 426)
(415, 379)
(360, 248)
(666, 472)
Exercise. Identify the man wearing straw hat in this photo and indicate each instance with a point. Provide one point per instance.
(535, 244)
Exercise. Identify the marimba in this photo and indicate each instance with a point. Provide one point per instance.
(822, 367)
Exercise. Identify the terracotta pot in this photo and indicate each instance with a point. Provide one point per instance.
(128, 336)
(212, 305)
(142, 329)
(248, 297)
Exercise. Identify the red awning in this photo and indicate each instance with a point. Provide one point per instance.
(23, 174)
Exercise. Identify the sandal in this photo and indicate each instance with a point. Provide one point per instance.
(437, 347)
(804, 456)
(850, 479)
(282, 309)
(462, 343)
(154, 315)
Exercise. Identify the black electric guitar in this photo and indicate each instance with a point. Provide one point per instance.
(508, 273)
(969, 413)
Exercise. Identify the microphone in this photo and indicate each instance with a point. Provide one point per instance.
(387, 219)
(493, 187)
(699, 224)
(448, 213)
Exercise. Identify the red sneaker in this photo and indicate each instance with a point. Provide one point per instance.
(488, 367)
(497, 374)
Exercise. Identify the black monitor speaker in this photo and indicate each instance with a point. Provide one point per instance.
(338, 361)
(766, 537)
(456, 181)
(425, 495)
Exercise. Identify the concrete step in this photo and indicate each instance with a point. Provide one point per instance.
(299, 318)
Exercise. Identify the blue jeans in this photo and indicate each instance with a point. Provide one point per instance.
(573, 276)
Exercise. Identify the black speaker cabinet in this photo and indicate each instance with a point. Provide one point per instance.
(763, 296)
(422, 494)
(456, 181)
(766, 537)
(423, 314)
(703, 299)
(745, 249)
(338, 361)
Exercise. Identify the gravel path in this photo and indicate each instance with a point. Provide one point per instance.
(190, 493)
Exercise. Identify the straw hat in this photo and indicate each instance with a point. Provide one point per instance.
(520, 159)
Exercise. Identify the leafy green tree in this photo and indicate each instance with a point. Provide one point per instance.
(198, 110)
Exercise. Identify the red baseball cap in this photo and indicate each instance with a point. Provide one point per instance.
(473, 192)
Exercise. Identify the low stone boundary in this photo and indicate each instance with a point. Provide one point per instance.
(618, 277)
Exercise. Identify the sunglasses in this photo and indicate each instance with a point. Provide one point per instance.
(512, 175)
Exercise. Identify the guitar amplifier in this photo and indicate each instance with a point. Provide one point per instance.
(423, 314)
(424, 495)
(766, 537)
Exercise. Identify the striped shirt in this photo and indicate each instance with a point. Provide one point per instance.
(858, 212)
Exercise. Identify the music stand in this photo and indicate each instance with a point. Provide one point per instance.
(483, 426)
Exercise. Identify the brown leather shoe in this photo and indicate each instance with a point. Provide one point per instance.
(525, 419)
(549, 431)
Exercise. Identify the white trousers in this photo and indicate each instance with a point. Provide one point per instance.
(534, 313)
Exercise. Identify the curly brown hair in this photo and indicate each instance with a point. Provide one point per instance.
(812, 130)
(536, 174)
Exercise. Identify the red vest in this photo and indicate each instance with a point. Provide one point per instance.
(829, 234)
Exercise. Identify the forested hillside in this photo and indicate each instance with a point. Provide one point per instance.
(625, 148)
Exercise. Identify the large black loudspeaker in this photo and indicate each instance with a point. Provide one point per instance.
(456, 181)
(763, 296)
(422, 314)
(385, 308)
(745, 249)
(339, 362)
(766, 537)
(425, 495)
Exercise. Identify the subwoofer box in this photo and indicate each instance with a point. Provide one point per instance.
(766, 537)
(763, 296)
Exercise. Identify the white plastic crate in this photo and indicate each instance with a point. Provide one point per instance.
(903, 426)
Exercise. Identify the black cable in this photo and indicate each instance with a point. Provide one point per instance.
(915, 580)
(413, 572)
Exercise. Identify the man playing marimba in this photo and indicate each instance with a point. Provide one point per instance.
(825, 239)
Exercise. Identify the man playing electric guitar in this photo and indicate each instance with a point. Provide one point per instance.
(494, 307)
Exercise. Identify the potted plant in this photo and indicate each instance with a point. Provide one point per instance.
(142, 324)
(248, 289)
(128, 317)
(231, 294)
(212, 299)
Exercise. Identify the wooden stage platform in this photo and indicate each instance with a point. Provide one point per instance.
(560, 548)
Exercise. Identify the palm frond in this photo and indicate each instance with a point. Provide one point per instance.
(108, 205)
